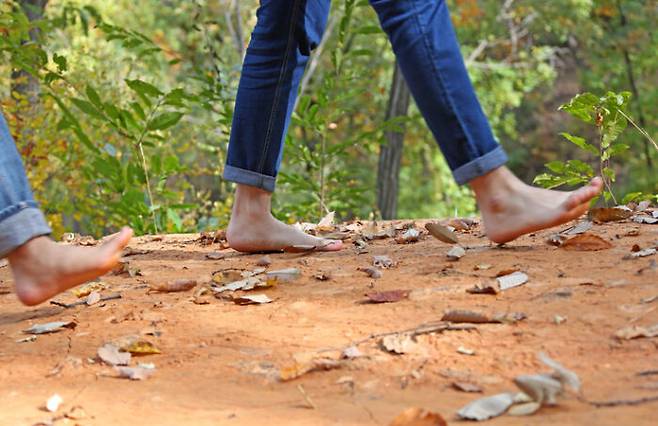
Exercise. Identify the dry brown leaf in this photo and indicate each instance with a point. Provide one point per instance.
(86, 289)
(141, 372)
(216, 255)
(467, 387)
(372, 272)
(390, 296)
(441, 233)
(580, 228)
(411, 235)
(610, 214)
(244, 285)
(382, 262)
(183, 284)
(586, 242)
(486, 408)
(456, 253)
(465, 316)
(257, 299)
(483, 288)
(636, 332)
(141, 347)
(299, 368)
(51, 327)
(111, 355)
(418, 417)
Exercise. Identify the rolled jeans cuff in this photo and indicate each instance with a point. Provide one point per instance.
(248, 177)
(480, 166)
(21, 227)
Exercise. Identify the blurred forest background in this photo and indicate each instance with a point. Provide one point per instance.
(122, 109)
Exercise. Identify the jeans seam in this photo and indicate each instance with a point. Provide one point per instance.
(472, 152)
(277, 94)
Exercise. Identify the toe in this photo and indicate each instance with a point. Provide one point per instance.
(584, 194)
(332, 245)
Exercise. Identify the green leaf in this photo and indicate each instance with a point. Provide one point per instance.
(143, 88)
(580, 143)
(165, 121)
(94, 97)
(87, 108)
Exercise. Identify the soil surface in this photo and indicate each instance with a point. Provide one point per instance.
(221, 363)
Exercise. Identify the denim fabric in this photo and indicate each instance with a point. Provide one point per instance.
(20, 218)
(427, 50)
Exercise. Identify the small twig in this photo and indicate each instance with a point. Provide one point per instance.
(112, 296)
(307, 398)
(618, 402)
(639, 129)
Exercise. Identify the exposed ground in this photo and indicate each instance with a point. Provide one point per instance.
(220, 361)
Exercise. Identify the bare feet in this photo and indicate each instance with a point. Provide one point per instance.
(510, 208)
(253, 228)
(43, 268)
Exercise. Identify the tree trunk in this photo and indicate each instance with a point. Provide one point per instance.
(390, 154)
(23, 83)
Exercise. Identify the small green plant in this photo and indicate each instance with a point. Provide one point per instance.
(608, 114)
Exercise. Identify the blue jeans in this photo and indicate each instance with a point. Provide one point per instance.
(20, 218)
(427, 50)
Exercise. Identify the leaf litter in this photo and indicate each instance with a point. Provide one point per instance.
(51, 327)
(512, 280)
(257, 299)
(586, 242)
(441, 233)
(537, 390)
(390, 296)
(456, 253)
(179, 285)
(111, 355)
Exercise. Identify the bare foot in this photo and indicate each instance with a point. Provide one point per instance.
(43, 268)
(510, 208)
(254, 229)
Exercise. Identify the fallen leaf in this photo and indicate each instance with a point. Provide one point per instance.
(418, 417)
(87, 289)
(299, 368)
(264, 261)
(465, 351)
(636, 332)
(506, 271)
(245, 285)
(141, 372)
(540, 388)
(641, 253)
(141, 347)
(257, 299)
(483, 288)
(441, 233)
(372, 272)
(351, 353)
(216, 255)
(111, 355)
(327, 222)
(127, 268)
(610, 214)
(645, 220)
(51, 327)
(93, 298)
(586, 242)
(383, 262)
(400, 343)
(525, 409)
(411, 235)
(561, 373)
(512, 280)
(580, 228)
(461, 224)
(467, 387)
(465, 316)
(390, 296)
(456, 253)
(486, 408)
(53, 403)
(323, 276)
(174, 286)
(283, 275)
(482, 267)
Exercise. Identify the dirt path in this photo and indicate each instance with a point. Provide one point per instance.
(220, 361)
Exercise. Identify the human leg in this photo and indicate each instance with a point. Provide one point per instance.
(41, 267)
(428, 52)
(285, 33)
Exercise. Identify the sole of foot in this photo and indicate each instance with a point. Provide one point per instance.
(43, 268)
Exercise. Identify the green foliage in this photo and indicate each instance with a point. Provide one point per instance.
(608, 114)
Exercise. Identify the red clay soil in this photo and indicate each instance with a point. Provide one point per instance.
(220, 362)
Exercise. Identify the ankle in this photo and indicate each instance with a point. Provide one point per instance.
(251, 202)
